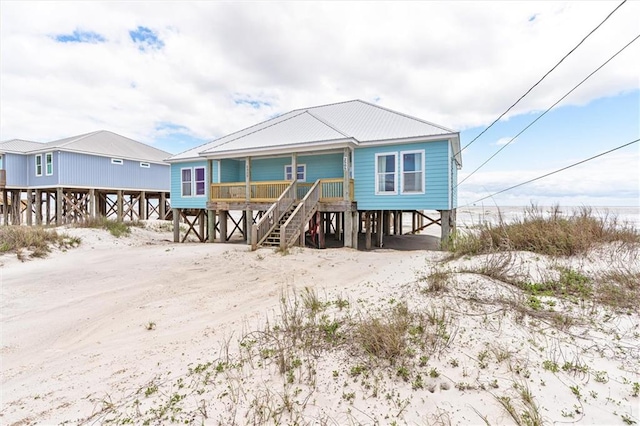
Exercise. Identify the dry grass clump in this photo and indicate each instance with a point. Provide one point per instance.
(550, 233)
(35, 239)
(619, 287)
(384, 337)
(117, 229)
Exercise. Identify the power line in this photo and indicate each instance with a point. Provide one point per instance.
(548, 109)
(554, 172)
(543, 77)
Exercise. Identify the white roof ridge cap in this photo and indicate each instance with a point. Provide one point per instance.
(330, 125)
(410, 117)
(255, 131)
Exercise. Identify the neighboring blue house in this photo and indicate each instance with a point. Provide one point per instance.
(342, 168)
(98, 173)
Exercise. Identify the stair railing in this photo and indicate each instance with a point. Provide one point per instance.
(261, 229)
(294, 226)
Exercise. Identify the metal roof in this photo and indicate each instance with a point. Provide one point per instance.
(18, 146)
(353, 122)
(108, 144)
(101, 142)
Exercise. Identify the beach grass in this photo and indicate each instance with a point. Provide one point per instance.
(116, 228)
(36, 240)
(549, 232)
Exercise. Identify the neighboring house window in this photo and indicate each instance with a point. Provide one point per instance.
(117, 161)
(187, 182)
(200, 181)
(301, 175)
(0, 161)
(145, 165)
(39, 165)
(412, 171)
(48, 160)
(386, 180)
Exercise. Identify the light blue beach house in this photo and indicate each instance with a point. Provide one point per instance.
(98, 173)
(345, 169)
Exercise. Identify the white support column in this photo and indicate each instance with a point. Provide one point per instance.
(346, 160)
(247, 178)
(294, 172)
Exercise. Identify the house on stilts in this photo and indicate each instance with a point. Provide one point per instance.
(348, 170)
(72, 179)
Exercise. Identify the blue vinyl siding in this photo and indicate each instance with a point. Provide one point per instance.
(323, 166)
(215, 171)
(92, 171)
(267, 169)
(230, 171)
(17, 170)
(44, 180)
(436, 184)
(177, 200)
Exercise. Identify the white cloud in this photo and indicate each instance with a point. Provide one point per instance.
(457, 64)
(504, 141)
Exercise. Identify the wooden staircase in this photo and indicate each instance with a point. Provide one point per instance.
(283, 224)
(273, 240)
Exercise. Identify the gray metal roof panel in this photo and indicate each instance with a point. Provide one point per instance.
(300, 128)
(193, 153)
(355, 120)
(108, 144)
(367, 122)
(19, 146)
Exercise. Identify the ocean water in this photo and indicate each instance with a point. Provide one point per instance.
(470, 216)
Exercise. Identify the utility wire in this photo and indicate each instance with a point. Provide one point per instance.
(543, 77)
(548, 109)
(554, 172)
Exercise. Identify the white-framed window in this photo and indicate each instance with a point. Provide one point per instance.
(48, 162)
(145, 165)
(193, 181)
(200, 181)
(412, 172)
(117, 161)
(39, 165)
(301, 174)
(187, 182)
(386, 173)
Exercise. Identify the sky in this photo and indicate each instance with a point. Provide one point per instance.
(178, 74)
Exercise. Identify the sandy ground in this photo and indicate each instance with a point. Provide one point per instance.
(75, 337)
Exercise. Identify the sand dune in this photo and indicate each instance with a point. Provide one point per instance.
(139, 328)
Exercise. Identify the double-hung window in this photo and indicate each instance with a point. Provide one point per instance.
(48, 160)
(386, 182)
(301, 175)
(199, 181)
(186, 182)
(39, 165)
(193, 181)
(412, 172)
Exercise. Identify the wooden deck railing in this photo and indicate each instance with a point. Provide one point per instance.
(3, 178)
(261, 229)
(330, 190)
(237, 191)
(294, 226)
